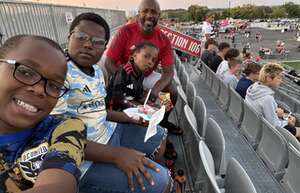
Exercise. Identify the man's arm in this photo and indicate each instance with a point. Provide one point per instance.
(110, 66)
(164, 81)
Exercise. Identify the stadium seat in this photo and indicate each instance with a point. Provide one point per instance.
(273, 150)
(215, 140)
(200, 112)
(291, 178)
(237, 180)
(284, 106)
(190, 124)
(290, 138)
(181, 102)
(204, 69)
(293, 103)
(236, 108)
(180, 72)
(176, 78)
(216, 86)
(209, 77)
(191, 141)
(211, 185)
(224, 95)
(185, 80)
(191, 93)
(251, 125)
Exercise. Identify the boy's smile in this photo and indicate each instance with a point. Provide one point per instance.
(24, 106)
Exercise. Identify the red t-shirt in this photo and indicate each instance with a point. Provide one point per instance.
(120, 49)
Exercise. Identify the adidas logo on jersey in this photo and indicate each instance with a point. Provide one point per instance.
(130, 86)
(86, 89)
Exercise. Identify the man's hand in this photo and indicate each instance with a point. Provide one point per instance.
(134, 163)
(154, 94)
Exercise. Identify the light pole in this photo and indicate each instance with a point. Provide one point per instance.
(229, 4)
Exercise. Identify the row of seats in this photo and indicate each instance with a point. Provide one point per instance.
(211, 139)
(276, 147)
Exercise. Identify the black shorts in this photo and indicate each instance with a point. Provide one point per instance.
(291, 129)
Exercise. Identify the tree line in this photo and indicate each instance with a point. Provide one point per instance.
(197, 13)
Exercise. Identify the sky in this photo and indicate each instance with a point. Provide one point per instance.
(165, 4)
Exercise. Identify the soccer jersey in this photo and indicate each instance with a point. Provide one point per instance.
(86, 100)
(126, 83)
(128, 36)
(53, 144)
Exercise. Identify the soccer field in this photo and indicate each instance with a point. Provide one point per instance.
(293, 64)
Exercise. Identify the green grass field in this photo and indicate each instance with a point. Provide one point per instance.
(293, 64)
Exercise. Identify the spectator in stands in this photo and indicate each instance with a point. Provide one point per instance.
(231, 54)
(280, 47)
(260, 97)
(209, 53)
(207, 28)
(125, 88)
(38, 153)
(232, 75)
(223, 49)
(129, 36)
(251, 74)
(123, 159)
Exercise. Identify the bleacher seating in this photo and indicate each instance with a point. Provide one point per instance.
(272, 148)
(237, 180)
(271, 144)
(235, 108)
(191, 93)
(291, 178)
(200, 112)
(251, 125)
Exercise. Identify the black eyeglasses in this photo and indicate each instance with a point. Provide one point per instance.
(30, 77)
(83, 37)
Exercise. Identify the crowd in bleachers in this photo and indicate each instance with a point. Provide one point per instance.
(241, 72)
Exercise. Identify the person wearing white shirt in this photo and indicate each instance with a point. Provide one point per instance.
(223, 67)
(207, 29)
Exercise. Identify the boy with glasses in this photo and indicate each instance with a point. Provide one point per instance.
(38, 152)
(121, 157)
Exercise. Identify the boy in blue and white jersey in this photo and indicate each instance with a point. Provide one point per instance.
(86, 100)
(116, 148)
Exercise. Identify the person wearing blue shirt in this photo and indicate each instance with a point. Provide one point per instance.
(251, 74)
(38, 152)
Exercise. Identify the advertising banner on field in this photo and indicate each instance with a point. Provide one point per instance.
(183, 42)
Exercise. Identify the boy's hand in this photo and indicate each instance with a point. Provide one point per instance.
(291, 121)
(134, 163)
(140, 121)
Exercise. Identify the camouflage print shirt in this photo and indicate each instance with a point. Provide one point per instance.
(53, 144)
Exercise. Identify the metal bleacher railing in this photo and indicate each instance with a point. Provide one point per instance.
(52, 21)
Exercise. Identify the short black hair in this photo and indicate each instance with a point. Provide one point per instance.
(223, 45)
(209, 42)
(232, 53)
(13, 42)
(90, 16)
(143, 45)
